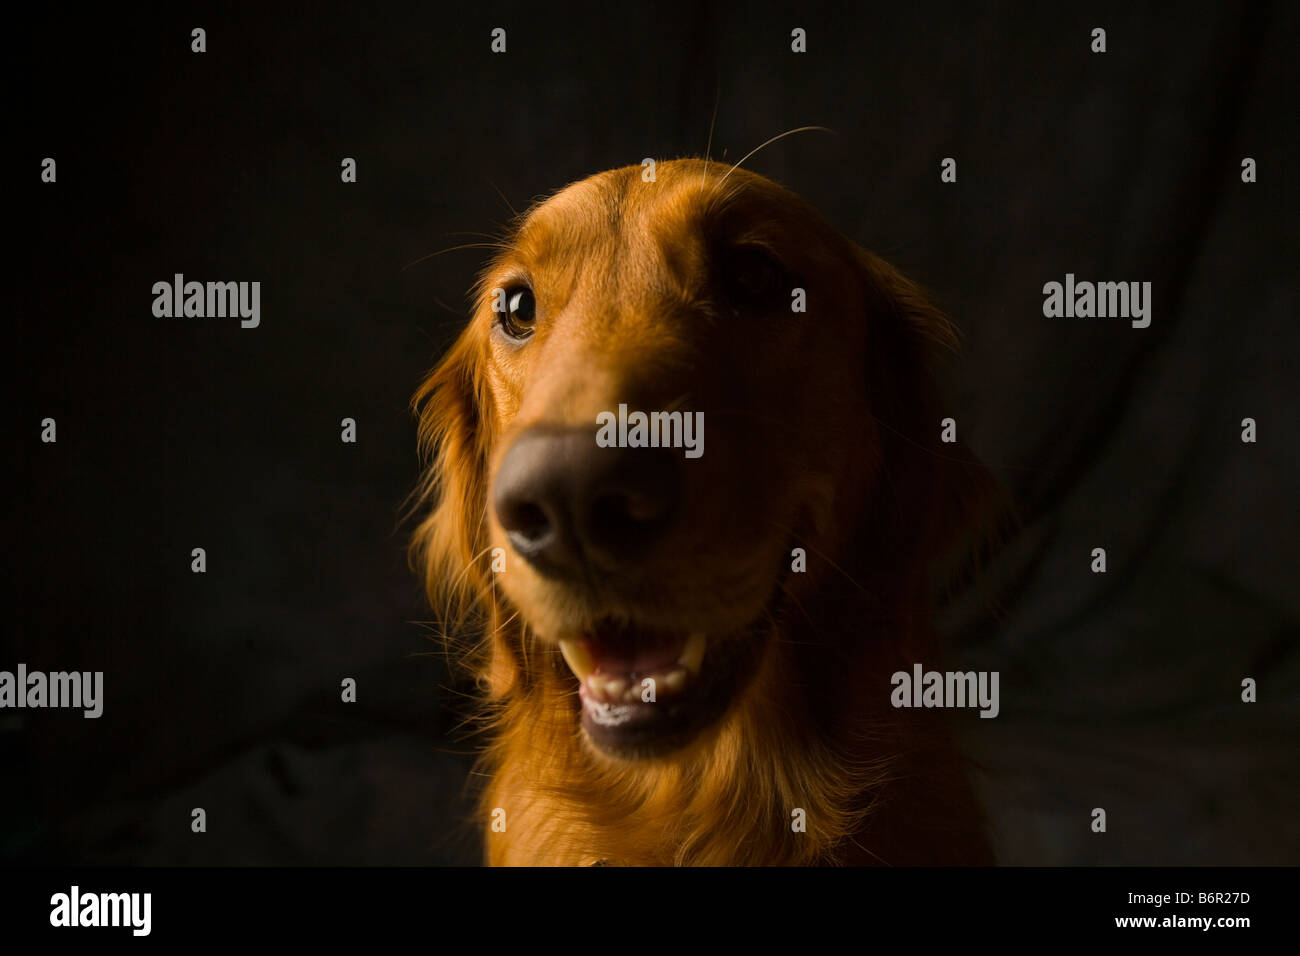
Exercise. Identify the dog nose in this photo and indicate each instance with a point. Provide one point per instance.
(564, 501)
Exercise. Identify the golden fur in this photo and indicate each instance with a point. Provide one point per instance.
(824, 435)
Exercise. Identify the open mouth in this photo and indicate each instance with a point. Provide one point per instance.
(644, 691)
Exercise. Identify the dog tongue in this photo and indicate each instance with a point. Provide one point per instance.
(618, 650)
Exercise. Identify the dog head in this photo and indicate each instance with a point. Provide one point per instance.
(679, 407)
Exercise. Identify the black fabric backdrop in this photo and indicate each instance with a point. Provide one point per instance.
(1119, 691)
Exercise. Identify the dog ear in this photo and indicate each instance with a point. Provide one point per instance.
(448, 545)
(941, 499)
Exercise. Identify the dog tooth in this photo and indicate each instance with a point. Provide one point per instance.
(578, 658)
(692, 655)
(614, 687)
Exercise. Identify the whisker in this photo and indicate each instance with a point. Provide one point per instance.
(512, 209)
(498, 237)
(451, 589)
(437, 301)
(785, 589)
(778, 136)
(441, 252)
(942, 457)
(825, 557)
(708, 147)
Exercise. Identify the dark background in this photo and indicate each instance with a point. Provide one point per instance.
(1119, 691)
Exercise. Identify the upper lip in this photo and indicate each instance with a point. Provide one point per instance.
(586, 655)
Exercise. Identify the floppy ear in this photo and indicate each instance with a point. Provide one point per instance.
(448, 545)
(941, 499)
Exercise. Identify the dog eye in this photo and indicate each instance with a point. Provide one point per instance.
(752, 277)
(520, 312)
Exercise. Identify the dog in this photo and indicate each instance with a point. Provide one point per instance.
(684, 658)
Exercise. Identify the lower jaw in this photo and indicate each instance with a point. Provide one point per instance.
(643, 730)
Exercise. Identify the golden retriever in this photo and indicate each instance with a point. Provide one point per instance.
(685, 646)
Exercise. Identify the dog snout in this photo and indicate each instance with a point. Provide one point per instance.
(568, 504)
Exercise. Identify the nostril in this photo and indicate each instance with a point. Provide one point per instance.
(530, 521)
(613, 520)
(528, 525)
(629, 509)
(531, 494)
(635, 505)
